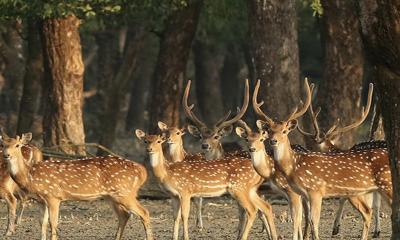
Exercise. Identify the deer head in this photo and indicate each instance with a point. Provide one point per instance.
(12, 152)
(279, 130)
(173, 134)
(326, 140)
(210, 137)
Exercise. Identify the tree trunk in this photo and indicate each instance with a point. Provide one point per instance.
(208, 62)
(33, 79)
(11, 49)
(380, 28)
(64, 69)
(119, 85)
(273, 33)
(169, 72)
(230, 81)
(339, 94)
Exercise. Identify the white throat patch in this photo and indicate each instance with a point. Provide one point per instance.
(154, 159)
(13, 166)
(278, 152)
(258, 158)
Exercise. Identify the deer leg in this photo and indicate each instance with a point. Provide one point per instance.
(377, 219)
(339, 216)
(185, 211)
(54, 209)
(177, 216)
(44, 222)
(199, 204)
(307, 217)
(23, 201)
(12, 209)
(315, 209)
(123, 217)
(265, 226)
(251, 212)
(266, 209)
(136, 208)
(362, 206)
(242, 219)
(296, 210)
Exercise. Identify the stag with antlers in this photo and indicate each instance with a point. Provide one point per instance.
(319, 175)
(52, 182)
(326, 142)
(211, 136)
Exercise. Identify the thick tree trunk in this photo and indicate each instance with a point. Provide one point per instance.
(11, 50)
(230, 78)
(33, 79)
(170, 69)
(273, 32)
(64, 69)
(380, 24)
(118, 88)
(339, 94)
(208, 63)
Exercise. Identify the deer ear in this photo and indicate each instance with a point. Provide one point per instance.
(226, 130)
(292, 124)
(261, 125)
(26, 138)
(193, 130)
(140, 134)
(162, 126)
(241, 132)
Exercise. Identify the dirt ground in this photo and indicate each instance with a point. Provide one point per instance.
(96, 220)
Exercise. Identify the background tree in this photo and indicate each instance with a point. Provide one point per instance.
(343, 66)
(175, 44)
(33, 78)
(273, 34)
(380, 29)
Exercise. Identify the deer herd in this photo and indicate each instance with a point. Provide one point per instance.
(360, 174)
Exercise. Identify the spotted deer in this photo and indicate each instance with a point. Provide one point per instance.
(176, 153)
(264, 165)
(326, 141)
(210, 137)
(115, 179)
(199, 178)
(316, 175)
(10, 191)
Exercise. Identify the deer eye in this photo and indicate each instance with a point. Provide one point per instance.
(261, 139)
(178, 133)
(17, 145)
(216, 137)
(145, 141)
(284, 131)
(159, 141)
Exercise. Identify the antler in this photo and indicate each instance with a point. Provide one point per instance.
(240, 113)
(189, 109)
(317, 134)
(256, 105)
(335, 130)
(298, 113)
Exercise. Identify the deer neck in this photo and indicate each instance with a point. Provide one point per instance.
(157, 162)
(19, 171)
(215, 153)
(262, 162)
(176, 152)
(285, 157)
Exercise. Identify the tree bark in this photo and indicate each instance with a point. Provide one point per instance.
(380, 28)
(11, 50)
(175, 45)
(208, 63)
(63, 91)
(273, 33)
(230, 81)
(118, 88)
(33, 79)
(339, 94)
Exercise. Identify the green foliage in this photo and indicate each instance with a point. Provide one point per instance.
(317, 8)
(223, 21)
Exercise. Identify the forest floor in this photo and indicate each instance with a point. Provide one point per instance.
(96, 220)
